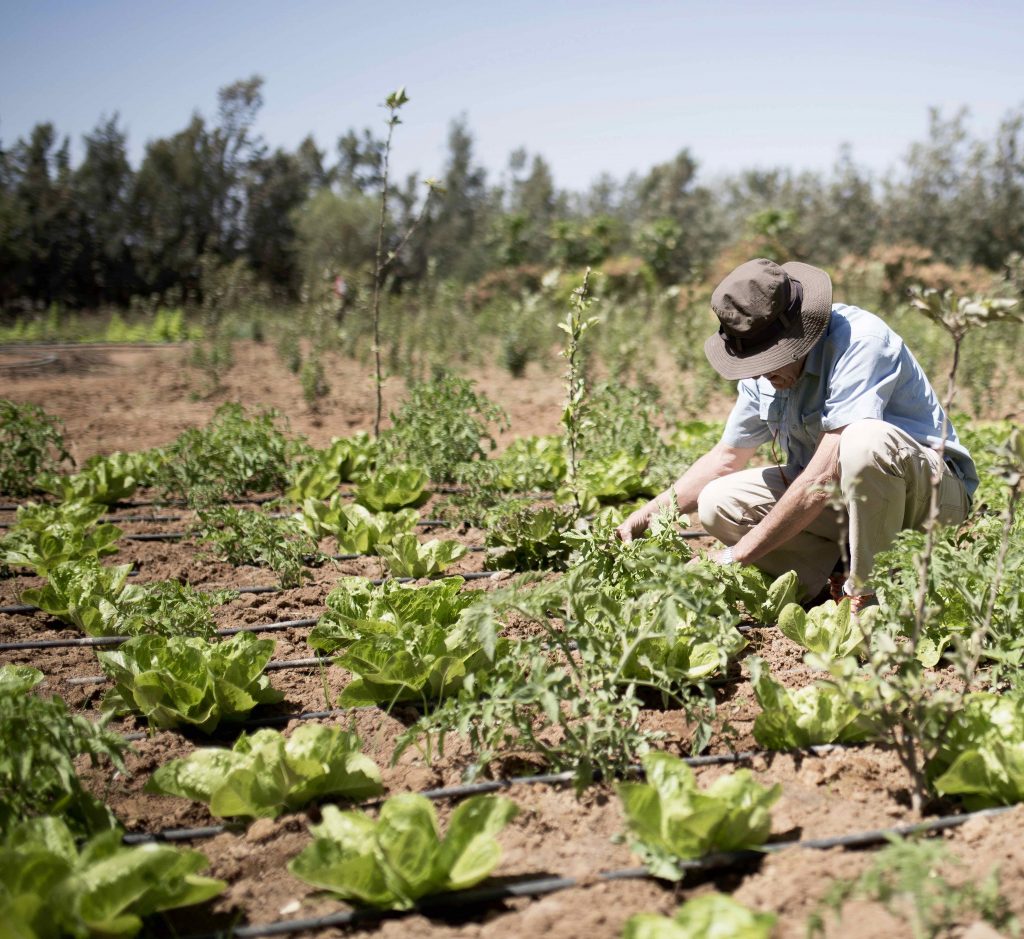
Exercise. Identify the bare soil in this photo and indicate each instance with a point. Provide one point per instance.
(129, 399)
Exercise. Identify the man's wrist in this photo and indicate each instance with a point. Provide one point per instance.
(726, 556)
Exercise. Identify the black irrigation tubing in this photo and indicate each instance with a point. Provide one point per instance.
(545, 885)
(117, 640)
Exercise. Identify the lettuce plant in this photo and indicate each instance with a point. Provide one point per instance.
(530, 538)
(711, 916)
(45, 536)
(407, 556)
(357, 529)
(104, 480)
(829, 630)
(39, 742)
(266, 774)
(178, 680)
(393, 488)
(401, 857)
(670, 818)
(982, 757)
(808, 716)
(757, 594)
(319, 475)
(50, 888)
(85, 594)
(355, 601)
(98, 601)
(532, 463)
(613, 478)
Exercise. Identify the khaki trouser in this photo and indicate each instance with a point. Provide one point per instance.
(885, 479)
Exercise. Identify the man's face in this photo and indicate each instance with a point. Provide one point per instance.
(785, 376)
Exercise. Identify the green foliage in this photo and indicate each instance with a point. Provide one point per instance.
(243, 536)
(31, 444)
(98, 601)
(441, 425)
(46, 536)
(808, 716)
(404, 643)
(613, 478)
(982, 757)
(626, 623)
(410, 609)
(51, 888)
(907, 879)
(106, 480)
(407, 556)
(710, 916)
(266, 774)
(319, 473)
(530, 463)
(830, 629)
(671, 818)
(187, 680)
(39, 742)
(85, 594)
(392, 488)
(230, 457)
(529, 539)
(755, 593)
(357, 530)
(400, 857)
(574, 326)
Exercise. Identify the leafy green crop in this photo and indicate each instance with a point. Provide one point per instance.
(394, 861)
(811, 715)
(31, 444)
(711, 916)
(85, 594)
(97, 600)
(266, 774)
(355, 601)
(357, 529)
(530, 538)
(530, 463)
(613, 478)
(982, 758)
(828, 630)
(39, 741)
(105, 480)
(319, 474)
(407, 556)
(46, 536)
(670, 818)
(178, 680)
(245, 536)
(50, 888)
(393, 488)
(754, 592)
(404, 643)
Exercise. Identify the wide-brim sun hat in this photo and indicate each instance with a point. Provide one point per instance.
(769, 316)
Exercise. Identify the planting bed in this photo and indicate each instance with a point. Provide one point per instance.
(133, 399)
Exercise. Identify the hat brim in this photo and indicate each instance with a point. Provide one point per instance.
(793, 344)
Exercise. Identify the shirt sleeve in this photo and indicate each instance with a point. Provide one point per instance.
(861, 383)
(745, 428)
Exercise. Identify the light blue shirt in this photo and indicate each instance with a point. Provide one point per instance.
(859, 370)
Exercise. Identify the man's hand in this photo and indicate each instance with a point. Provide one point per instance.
(635, 525)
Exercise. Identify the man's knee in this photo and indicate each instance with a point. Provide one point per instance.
(864, 446)
(710, 502)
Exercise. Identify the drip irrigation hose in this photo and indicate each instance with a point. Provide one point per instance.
(544, 885)
(43, 360)
(117, 640)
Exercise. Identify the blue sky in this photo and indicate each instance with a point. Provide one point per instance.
(599, 86)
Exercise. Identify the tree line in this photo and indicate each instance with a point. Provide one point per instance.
(215, 194)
